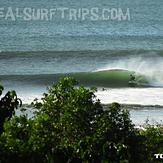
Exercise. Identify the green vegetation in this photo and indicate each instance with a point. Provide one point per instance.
(70, 126)
(8, 104)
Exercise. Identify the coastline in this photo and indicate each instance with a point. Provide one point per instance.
(139, 114)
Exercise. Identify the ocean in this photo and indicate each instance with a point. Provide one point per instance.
(101, 53)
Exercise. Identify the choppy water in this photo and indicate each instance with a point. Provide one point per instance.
(42, 48)
(143, 31)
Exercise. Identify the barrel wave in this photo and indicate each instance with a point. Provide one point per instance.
(106, 78)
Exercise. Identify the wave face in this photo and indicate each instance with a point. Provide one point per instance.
(111, 78)
(53, 62)
(44, 67)
(62, 46)
(34, 54)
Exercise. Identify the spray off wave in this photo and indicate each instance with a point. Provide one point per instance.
(108, 78)
(148, 66)
(92, 68)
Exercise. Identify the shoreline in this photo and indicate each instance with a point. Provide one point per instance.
(129, 106)
(139, 114)
(138, 106)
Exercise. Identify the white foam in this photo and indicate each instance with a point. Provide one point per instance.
(149, 65)
(142, 96)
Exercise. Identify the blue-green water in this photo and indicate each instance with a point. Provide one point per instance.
(32, 53)
(143, 31)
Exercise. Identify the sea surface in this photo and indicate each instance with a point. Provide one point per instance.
(103, 53)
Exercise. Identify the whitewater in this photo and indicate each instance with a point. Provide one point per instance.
(35, 54)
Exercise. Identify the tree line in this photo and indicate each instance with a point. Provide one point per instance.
(70, 125)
